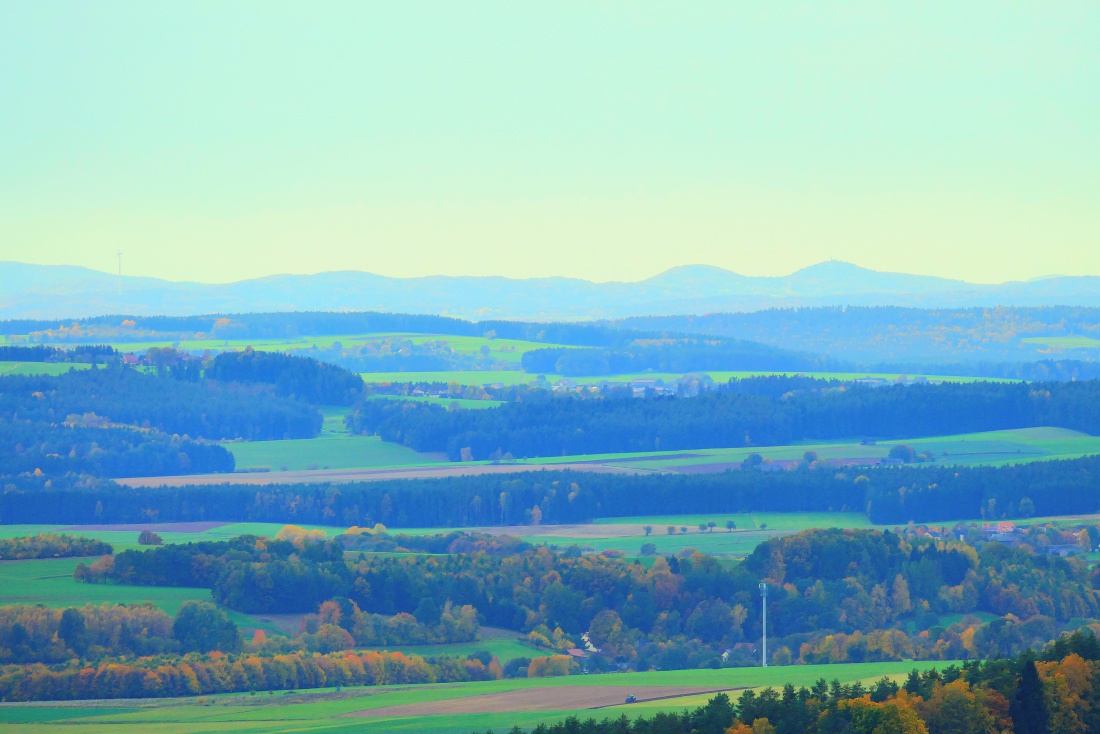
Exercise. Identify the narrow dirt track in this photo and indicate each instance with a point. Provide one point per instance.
(553, 698)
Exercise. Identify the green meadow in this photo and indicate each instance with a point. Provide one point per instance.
(336, 452)
(993, 447)
(1063, 342)
(50, 583)
(326, 710)
(38, 368)
(505, 350)
(336, 449)
(462, 377)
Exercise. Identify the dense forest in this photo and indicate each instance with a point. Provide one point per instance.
(87, 445)
(889, 495)
(51, 545)
(1056, 693)
(841, 595)
(302, 378)
(732, 417)
(123, 396)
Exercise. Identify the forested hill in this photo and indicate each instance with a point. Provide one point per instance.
(119, 395)
(887, 334)
(119, 422)
(317, 323)
(568, 425)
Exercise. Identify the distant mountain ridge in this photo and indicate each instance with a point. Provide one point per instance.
(52, 291)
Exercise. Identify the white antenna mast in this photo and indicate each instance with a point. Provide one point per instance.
(764, 606)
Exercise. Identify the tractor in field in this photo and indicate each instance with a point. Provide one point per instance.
(632, 698)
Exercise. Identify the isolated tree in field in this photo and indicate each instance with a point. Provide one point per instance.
(702, 527)
(648, 529)
(683, 529)
(648, 549)
(148, 537)
(752, 460)
(731, 525)
(903, 453)
(710, 526)
(671, 530)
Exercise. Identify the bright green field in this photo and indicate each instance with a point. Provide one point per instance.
(337, 452)
(1064, 342)
(508, 350)
(50, 583)
(38, 368)
(462, 377)
(994, 447)
(268, 714)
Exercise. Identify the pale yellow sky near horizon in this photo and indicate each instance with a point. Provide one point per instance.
(601, 140)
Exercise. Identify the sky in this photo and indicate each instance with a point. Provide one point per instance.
(602, 140)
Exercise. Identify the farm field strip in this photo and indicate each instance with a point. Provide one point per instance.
(1063, 342)
(518, 377)
(39, 368)
(50, 582)
(328, 711)
(511, 350)
(344, 458)
(332, 452)
(466, 403)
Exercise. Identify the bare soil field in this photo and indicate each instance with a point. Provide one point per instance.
(360, 475)
(553, 698)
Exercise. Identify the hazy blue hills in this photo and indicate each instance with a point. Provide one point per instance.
(47, 291)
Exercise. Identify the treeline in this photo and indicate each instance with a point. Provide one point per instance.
(193, 675)
(889, 495)
(35, 634)
(669, 355)
(121, 395)
(1057, 693)
(840, 595)
(728, 418)
(51, 545)
(293, 377)
(40, 353)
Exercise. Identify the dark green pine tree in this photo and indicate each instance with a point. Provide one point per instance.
(1029, 708)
